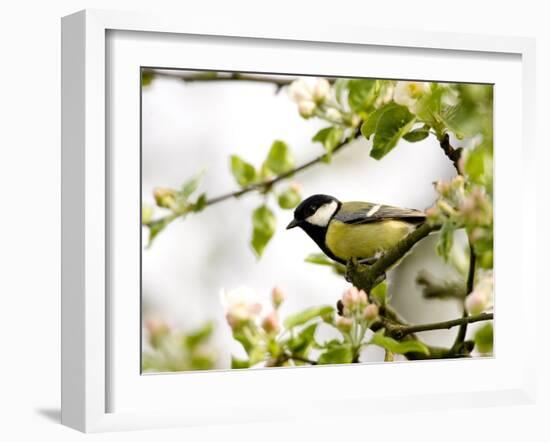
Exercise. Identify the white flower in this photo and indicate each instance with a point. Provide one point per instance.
(450, 97)
(407, 93)
(300, 90)
(386, 98)
(481, 298)
(306, 108)
(308, 93)
(333, 114)
(239, 305)
(321, 88)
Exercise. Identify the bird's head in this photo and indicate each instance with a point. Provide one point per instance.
(317, 210)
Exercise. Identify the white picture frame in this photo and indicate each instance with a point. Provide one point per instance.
(86, 315)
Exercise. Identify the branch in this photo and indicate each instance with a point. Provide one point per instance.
(452, 153)
(278, 82)
(400, 331)
(262, 186)
(266, 185)
(367, 277)
(301, 359)
(461, 335)
(435, 288)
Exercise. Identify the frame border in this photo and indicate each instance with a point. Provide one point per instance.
(83, 164)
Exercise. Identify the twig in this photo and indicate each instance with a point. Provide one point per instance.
(452, 153)
(278, 82)
(265, 185)
(400, 331)
(302, 359)
(461, 335)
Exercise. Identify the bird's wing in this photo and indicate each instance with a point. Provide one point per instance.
(362, 213)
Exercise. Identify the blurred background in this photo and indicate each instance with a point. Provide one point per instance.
(191, 126)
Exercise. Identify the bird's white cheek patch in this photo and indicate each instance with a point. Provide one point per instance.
(323, 214)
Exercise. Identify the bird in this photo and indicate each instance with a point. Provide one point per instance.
(354, 230)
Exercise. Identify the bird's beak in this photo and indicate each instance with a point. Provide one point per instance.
(292, 224)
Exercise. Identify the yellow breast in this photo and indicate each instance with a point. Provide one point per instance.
(364, 240)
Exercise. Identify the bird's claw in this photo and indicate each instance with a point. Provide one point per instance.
(351, 267)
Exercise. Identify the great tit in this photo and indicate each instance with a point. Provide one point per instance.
(354, 229)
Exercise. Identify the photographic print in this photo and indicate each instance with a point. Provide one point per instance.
(297, 221)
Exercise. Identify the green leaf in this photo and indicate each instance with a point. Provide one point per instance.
(307, 315)
(392, 125)
(300, 343)
(336, 355)
(264, 224)
(330, 138)
(479, 166)
(428, 107)
(417, 135)
(362, 94)
(340, 85)
(319, 258)
(157, 226)
(279, 159)
(484, 338)
(445, 241)
(191, 185)
(323, 260)
(239, 363)
(289, 198)
(200, 204)
(398, 347)
(245, 339)
(201, 361)
(380, 292)
(199, 336)
(243, 172)
(369, 126)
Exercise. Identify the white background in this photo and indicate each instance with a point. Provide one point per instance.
(29, 174)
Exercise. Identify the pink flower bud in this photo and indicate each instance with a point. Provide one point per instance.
(442, 187)
(164, 197)
(350, 297)
(363, 298)
(233, 320)
(296, 187)
(371, 312)
(156, 326)
(277, 296)
(476, 302)
(344, 324)
(271, 323)
(158, 330)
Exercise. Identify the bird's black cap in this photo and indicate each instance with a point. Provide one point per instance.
(308, 207)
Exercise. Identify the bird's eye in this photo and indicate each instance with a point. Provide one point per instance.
(310, 211)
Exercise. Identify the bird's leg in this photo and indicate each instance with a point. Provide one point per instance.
(351, 268)
(358, 273)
